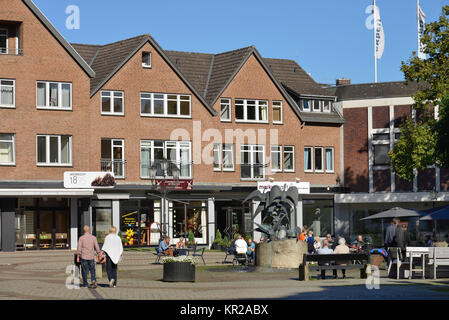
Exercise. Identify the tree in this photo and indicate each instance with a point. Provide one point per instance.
(425, 141)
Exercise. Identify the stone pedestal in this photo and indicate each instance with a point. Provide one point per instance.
(286, 254)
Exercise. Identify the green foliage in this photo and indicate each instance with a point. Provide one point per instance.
(416, 148)
(191, 237)
(426, 142)
(225, 241)
(433, 71)
(218, 237)
(236, 235)
(247, 237)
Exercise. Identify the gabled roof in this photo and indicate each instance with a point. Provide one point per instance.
(75, 55)
(108, 59)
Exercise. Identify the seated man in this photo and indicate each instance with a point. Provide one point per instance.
(165, 248)
(324, 250)
(342, 248)
(240, 245)
(231, 249)
(359, 244)
(251, 249)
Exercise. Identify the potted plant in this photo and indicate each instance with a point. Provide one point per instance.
(217, 241)
(191, 238)
(225, 243)
(179, 269)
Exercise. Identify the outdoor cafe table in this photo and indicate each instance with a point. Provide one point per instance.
(417, 252)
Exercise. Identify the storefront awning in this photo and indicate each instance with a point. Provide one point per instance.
(46, 192)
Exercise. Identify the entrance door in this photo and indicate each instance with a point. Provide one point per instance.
(238, 220)
(53, 228)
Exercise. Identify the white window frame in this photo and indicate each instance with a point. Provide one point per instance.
(217, 152)
(293, 158)
(12, 106)
(120, 144)
(312, 158)
(252, 151)
(13, 142)
(6, 35)
(165, 114)
(308, 103)
(225, 101)
(329, 103)
(47, 96)
(280, 106)
(319, 105)
(322, 159)
(281, 156)
(245, 111)
(333, 159)
(145, 65)
(47, 149)
(150, 144)
(226, 148)
(111, 106)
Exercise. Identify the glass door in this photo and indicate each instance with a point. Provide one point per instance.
(46, 229)
(61, 230)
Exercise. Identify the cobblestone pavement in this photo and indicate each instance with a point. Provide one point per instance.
(42, 275)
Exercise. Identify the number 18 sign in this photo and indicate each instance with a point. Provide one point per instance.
(88, 180)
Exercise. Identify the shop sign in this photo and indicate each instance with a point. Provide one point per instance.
(88, 180)
(175, 184)
(303, 187)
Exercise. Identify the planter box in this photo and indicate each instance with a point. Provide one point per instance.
(179, 272)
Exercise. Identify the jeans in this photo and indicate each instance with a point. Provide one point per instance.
(88, 265)
(111, 269)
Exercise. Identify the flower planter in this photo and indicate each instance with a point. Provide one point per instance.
(179, 272)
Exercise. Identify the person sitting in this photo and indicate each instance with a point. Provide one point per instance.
(165, 247)
(359, 244)
(251, 249)
(231, 249)
(330, 240)
(428, 240)
(241, 247)
(342, 248)
(324, 250)
(180, 247)
(261, 240)
(317, 243)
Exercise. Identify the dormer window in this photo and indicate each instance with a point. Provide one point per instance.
(146, 59)
(316, 105)
(306, 105)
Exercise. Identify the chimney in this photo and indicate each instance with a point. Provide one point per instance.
(343, 82)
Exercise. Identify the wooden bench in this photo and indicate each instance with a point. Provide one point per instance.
(438, 256)
(334, 262)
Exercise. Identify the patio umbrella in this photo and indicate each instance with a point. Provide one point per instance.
(440, 213)
(393, 213)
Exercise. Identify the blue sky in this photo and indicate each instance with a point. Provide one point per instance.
(328, 38)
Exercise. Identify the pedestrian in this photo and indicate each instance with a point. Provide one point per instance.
(342, 248)
(85, 251)
(390, 234)
(400, 236)
(113, 250)
(324, 250)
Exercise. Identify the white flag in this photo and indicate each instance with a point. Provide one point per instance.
(379, 34)
(421, 26)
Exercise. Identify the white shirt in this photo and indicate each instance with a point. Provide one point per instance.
(241, 246)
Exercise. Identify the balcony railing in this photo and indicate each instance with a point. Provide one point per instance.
(253, 171)
(11, 51)
(116, 166)
(185, 169)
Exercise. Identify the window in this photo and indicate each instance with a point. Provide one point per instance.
(225, 110)
(276, 158)
(112, 156)
(54, 150)
(381, 136)
(308, 159)
(252, 162)
(316, 105)
(381, 154)
(7, 149)
(54, 95)
(3, 41)
(176, 152)
(251, 110)
(318, 159)
(7, 93)
(327, 105)
(217, 158)
(112, 103)
(289, 158)
(146, 59)
(329, 159)
(228, 157)
(223, 160)
(277, 112)
(306, 105)
(165, 105)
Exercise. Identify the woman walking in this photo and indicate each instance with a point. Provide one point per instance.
(113, 249)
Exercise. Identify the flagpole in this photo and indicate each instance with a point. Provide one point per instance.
(418, 29)
(374, 29)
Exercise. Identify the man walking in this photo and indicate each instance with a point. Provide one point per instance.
(390, 234)
(87, 246)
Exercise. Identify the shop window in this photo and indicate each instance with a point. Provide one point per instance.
(191, 220)
(319, 216)
(102, 218)
(136, 218)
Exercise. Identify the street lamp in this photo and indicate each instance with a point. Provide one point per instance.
(164, 184)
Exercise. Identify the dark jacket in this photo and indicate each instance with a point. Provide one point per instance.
(390, 236)
(400, 238)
